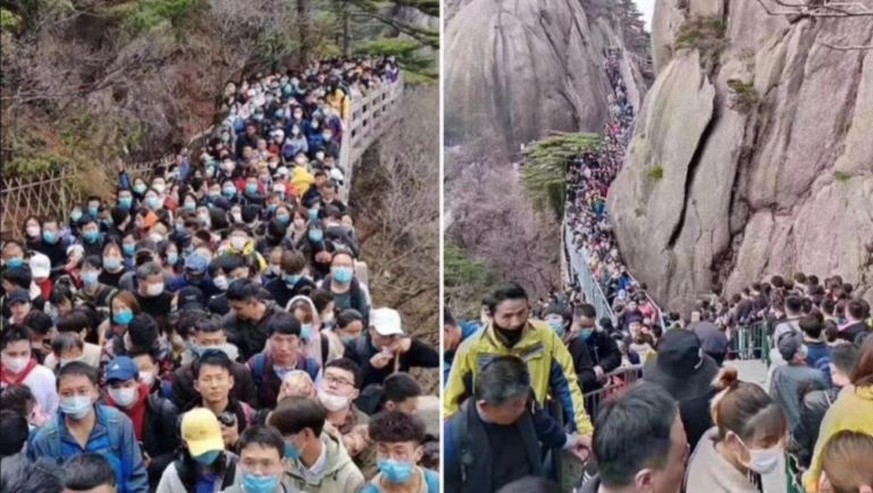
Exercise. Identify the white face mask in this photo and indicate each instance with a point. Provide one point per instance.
(332, 402)
(15, 365)
(123, 397)
(146, 378)
(764, 461)
(156, 237)
(220, 283)
(33, 231)
(238, 242)
(155, 289)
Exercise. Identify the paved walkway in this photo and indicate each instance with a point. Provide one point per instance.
(750, 370)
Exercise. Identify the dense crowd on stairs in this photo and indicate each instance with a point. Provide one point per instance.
(206, 328)
(554, 378)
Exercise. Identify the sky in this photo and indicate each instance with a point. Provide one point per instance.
(647, 7)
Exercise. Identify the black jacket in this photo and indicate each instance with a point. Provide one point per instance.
(250, 337)
(160, 436)
(360, 350)
(243, 385)
(851, 332)
(468, 455)
(599, 350)
(812, 410)
(282, 294)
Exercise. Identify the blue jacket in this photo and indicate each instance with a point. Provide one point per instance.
(112, 437)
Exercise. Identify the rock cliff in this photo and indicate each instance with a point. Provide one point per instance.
(516, 69)
(752, 154)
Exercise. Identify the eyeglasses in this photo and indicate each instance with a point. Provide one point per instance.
(330, 379)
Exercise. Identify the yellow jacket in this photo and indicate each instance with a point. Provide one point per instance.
(341, 103)
(852, 411)
(548, 360)
(301, 180)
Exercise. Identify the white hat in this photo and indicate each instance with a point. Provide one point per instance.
(336, 174)
(386, 321)
(282, 171)
(40, 265)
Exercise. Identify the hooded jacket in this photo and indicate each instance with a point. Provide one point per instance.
(340, 474)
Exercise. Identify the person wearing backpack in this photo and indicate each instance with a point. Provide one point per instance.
(83, 426)
(202, 463)
(398, 437)
(283, 355)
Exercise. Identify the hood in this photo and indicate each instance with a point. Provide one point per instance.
(312, 349)
(337, 458)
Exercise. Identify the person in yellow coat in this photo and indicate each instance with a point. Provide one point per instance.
(301, 177)
(510, 332)
(852, 411)
(339, 101)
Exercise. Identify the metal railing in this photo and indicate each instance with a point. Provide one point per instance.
(749, 342)
(582, 277)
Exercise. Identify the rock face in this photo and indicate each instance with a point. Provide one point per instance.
(770, 175)
(516, 69)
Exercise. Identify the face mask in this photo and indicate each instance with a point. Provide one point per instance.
(147, 378)
(291, 451)
(190, 206)
(15, 365)
(49, 236)
(155, 289)
(274, 269)
(238, 242)
(139, 189)
(156, 237)
(332, 402)
(313, 214)
(89, 278)
(125, 202)
(252, 483)
(153, 202)
(77, 407)
(111, 263)
(159, 187)
(342, 275)
(93, 211)
(557, 326)
(220, 283)
(122, 317)
(76, 215)
(306, 332)
(764, 461)
(319, 155)
(283, 219)
(172, 258)
(229, 192)
(292, 280)
(128, 249)
(315, 235)
(91, 236)
(208, 458)
(394, 471)
(251, 188)
(347, 338)
(15, 262)
(586, 333)
(33, 231)
(123, 397)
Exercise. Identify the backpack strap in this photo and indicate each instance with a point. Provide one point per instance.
(259, 369)
(229, 475)
(249, 413)
(325, 343)
(465, 454)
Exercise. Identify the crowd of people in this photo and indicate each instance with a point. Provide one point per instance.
(542, 376)
(206, 330)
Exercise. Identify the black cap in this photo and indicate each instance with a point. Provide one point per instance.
(191, 298)
(17, 296)
(679, 353)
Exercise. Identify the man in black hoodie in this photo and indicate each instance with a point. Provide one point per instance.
(594, 353)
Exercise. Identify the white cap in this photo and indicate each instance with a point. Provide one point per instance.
(40, 265)
(336, 174)
(282, 171)
(386, 321)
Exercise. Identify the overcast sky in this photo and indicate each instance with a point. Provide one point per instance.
(647, 7)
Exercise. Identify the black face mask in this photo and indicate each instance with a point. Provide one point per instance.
(512, 336)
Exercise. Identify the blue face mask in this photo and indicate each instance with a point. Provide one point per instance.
(228, 192)
(49, 236)
(313, 214)
(291, 451)
(139, 189)
(76, 407)
(586, 333)
(342, 275)
(90, 278)
(122, 318)
(347, 338)
(283, 219)
(111, 263)
(91, 236)
(128, 249)
(394, 471)
(15, 262)
(306, 332)
(292, 280)
(153, 202)
(251, 188)
(125, 202)
(93, 211)
(172, 258)
(208, 458)
(557, 326)
(315, 235)
(259, 484)
(190, 207)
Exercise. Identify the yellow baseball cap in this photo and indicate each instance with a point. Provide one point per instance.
(201, 431)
